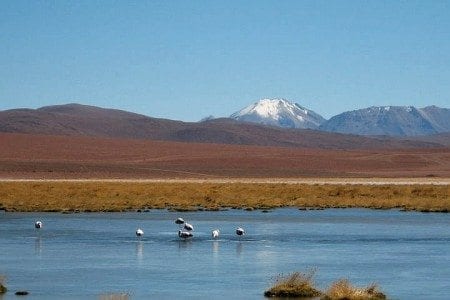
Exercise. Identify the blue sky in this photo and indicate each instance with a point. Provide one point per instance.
(186, 60)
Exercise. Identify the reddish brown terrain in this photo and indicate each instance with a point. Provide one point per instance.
(83, 120)
(79, 141)
(43, 156)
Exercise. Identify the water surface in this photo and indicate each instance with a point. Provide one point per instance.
(87, 255)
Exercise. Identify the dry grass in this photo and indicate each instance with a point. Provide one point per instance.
(301, 285)
(294, 285)
(3, 288)
(343, 290)
(121, 196)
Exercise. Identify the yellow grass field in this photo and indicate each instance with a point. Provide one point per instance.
(69, 196)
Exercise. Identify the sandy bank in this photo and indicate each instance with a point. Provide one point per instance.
(309, 181)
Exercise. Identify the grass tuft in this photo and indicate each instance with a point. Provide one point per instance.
(294, 285)
(343, 290)
(3, 288)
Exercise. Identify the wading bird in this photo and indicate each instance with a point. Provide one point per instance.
(180, 222)
(185, 228)
(185, 234)
(240, 231)
(188, 227)
(139, 232)
(215, 233)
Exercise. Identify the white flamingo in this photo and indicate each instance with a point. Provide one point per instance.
(240, 231)
(139, 232)
(38, 224)
(188, 227)
(185, 234)
(215, 233)
(179, 221)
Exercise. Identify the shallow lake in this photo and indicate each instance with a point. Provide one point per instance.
(92, 254)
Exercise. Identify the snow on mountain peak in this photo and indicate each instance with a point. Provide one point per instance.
(271, 107)
(279, 112)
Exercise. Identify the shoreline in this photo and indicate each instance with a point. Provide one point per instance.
(111, 195)
(309, 181)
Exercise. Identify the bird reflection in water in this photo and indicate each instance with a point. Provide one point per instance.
(38, 245)
(239, 248)
(215, 247)
(184, 244)
(140, 250)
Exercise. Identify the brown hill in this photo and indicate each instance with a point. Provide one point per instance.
(38, 156)
(83, 120)
(440, 138)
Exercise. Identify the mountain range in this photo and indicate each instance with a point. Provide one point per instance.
(83, 120)
(381, 120)
(391, 120)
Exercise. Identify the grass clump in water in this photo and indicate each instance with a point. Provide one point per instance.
(3, 288)
(294, 285)
(343, 290)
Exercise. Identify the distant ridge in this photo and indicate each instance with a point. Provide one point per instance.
(83, 120)
(391, 121)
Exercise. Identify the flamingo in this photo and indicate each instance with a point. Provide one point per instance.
(179, 221)
(215, 233)
(240, 231)
(185, 234)
(139, 232)
(188, 227)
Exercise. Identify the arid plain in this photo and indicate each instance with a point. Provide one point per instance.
(60, 173)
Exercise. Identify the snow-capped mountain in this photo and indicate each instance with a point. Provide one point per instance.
(391, 120)
(279, 112)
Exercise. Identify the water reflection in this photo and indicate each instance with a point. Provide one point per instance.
(38, 245)
(239, 248)
(215, 247)
(184, 244)
(140, 250)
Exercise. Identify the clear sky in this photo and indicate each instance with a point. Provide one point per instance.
(186, 60)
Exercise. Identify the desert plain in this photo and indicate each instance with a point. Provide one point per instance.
(74, 174)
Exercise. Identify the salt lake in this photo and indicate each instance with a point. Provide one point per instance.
(87, 255)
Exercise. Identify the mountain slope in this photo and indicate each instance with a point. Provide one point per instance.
(76, 119)
(279, 112)
(438, 117)
(391, 121)
(81, 120)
